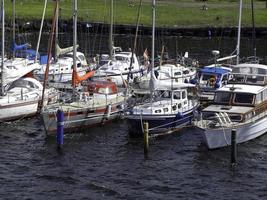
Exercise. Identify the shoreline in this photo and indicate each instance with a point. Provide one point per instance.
(101, 28)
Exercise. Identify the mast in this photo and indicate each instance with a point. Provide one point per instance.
(135, 38)
(111, 30)
(3, 47)
(239, 33)
(14, 24)
(56, 31)
(153, 34)
(40, 33)
(253, 31)
(74, 36)
(152, 81)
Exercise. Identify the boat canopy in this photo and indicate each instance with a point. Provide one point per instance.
(214, 70)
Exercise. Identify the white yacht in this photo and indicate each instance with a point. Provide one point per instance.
(240, 105)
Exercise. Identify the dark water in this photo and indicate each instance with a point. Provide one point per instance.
(104, 163)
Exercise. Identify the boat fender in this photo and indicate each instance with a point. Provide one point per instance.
(108, 110)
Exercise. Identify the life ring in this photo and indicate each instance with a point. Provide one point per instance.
(212, 81)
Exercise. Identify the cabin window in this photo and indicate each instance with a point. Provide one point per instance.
(179, 105)
(243, 98)
(186, 72)
(264, 94)
(239, 78)
(166, 94)
(259, 98)
(222, 97)
(183, 94)
(165, 109)
(252, 79)
(224, 78)
(177, 73)
(174, 107)
(157, 111)
(206, 77)
(176, 95)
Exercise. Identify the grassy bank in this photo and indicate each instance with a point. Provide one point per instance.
(170, 13)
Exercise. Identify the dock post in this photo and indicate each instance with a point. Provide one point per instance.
(233, 147)
(60, 128)
(146, 138)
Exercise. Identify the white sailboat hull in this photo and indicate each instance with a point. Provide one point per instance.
(216, 138)
(18, 110)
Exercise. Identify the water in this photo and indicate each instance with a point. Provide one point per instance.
(104, 163)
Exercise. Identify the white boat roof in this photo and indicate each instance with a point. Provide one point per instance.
(242, 88)
(228, 109)
(252, 65)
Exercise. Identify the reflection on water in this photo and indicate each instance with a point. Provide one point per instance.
(198, 47)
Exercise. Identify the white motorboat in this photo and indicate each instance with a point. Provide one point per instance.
(168, 76)
(241, 105)
(120, 69)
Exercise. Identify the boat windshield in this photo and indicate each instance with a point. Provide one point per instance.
(206, 77)
(243, 98)
(222, 97)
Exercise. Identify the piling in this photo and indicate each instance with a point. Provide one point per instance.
(146, 138)
(233, 147)
(60, 128)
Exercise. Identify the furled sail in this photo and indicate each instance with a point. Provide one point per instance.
(62, 51)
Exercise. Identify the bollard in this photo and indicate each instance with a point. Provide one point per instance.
(146, 138)
(233, 147)
(60, 128)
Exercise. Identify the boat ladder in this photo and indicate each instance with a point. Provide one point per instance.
(223, 118)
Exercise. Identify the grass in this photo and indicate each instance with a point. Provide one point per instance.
(169, 13)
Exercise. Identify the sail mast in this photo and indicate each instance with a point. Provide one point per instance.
(239, 32)
(14, 24)
(153, 33)
(253, 31)
(74, 38)
(111, 30)
(40, 32)
(56, 31)
(3, 47)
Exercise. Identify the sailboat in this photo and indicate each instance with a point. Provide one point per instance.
(90, 104)
(20, 95)
(122, 65)
(168, 109)
(61, 65)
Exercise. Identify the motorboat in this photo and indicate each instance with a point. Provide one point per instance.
(240, 105)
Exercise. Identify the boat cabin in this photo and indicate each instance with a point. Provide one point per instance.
(102, 87)
(254, 74)
(169, 71)
(238, 102)
(210, 78)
